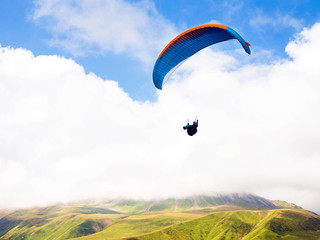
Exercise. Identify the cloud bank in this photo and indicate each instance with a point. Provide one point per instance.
(67, 135)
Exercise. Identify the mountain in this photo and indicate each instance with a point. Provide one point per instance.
(244, 201)
(286, 204)
(237, 216)
(271, 224)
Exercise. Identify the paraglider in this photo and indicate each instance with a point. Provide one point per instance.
(192, 129)
(187, 44)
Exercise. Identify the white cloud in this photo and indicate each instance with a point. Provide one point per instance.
(67, 135)
(95, 26)
(278, 21)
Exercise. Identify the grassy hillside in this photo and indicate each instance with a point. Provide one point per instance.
(272, 224)
(140, 224)
(131, 206)
(58, 222)
(286, 204)
(213, 217)
(244, 201)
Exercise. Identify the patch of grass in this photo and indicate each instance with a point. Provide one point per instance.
(285, 204)
(140, 224)
(93, 210)
(131, 206)
(225, 224)
(184, 204)
(244, 225)
(166, 205)
(65, 225)
(209, 200)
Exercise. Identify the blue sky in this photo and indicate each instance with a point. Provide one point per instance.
(267, 25)
(80, 116)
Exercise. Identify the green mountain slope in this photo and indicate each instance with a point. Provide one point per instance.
(56, 222)
(274, 224)
(284, 204)
(244, 201)
(117, 219)
(140, 224)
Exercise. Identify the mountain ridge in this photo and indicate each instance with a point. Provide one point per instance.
(265, 226)
(125, 218)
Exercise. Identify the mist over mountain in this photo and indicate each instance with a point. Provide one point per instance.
(234, 215)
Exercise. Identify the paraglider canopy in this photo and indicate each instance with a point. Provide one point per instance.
(187, 44)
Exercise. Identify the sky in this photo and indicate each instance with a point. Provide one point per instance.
(80, 117)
